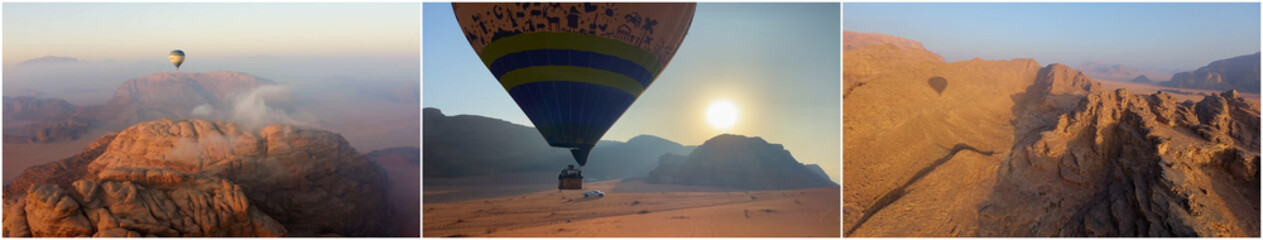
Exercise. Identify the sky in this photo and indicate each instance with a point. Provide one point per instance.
(211, 30)
(284, 42)
(340, 62)
(777, 63)
(1159, 36)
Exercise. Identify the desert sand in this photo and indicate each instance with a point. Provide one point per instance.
(18, 157)
(636, 209)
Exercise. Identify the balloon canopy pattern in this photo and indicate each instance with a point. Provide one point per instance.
(574, 68)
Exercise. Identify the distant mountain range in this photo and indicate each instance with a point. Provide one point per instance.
(739, 162)
(470, 145)
(49, 59)
(1240, 73)
(150, 97)
(1118, 72)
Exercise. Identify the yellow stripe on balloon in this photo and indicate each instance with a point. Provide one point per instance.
(571, 74)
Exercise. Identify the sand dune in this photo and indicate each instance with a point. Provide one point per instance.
(638, 213)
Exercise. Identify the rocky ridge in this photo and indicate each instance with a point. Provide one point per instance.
(737, 162)
(201, 178)
(1072, 159)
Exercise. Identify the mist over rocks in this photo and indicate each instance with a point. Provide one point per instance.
(310, 182)
(739, 162)
(232, 96)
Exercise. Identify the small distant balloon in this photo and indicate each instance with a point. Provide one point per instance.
(177, 58)
(938, 84)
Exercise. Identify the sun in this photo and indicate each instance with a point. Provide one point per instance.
(721, 114)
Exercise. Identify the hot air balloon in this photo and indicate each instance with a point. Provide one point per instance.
(177, 58)
(574, 68)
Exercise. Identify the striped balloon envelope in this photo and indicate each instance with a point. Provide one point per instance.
(574, 68)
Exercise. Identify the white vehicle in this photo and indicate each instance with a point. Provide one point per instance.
(594, 193)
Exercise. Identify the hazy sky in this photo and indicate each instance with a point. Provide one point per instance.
(98, 31)
(778, 63)
(1181, 36)
(285, 42)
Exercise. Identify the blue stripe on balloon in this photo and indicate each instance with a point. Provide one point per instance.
(567, 57)
(571, 114)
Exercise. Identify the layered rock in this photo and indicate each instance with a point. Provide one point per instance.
(311, 182)
(136, 203)
(737, 162)
(1117, 164)
(1240, 73)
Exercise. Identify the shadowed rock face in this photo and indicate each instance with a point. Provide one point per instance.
(279, 180)
(738, 162)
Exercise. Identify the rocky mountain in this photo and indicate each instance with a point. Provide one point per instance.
(815, 168)
(37, 109)
(1238, 73)
(41, 120)
(1142, 79)
(634, 158)
(201, 178)
(151, 97)
(1014, 149)
(739, 162)
(1118, 72)
(47, 132)
(468, 145)
(173, 95)
(50, 59)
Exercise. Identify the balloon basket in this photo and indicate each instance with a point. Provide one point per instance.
(570, 183)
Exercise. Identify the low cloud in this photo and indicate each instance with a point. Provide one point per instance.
(257, 108)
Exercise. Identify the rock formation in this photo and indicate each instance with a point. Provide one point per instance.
(172, 95)
(1142, 79)
(37, 109)
(1240, 73)
(46, 132)
(1118, 164)
(1117, 72)
(41, 120)
(737, 162)
(200, 178)
(469, 145)
(1053, 154)
(151, 97)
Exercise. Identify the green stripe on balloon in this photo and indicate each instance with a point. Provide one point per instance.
(571, 74)
(571, 41)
